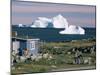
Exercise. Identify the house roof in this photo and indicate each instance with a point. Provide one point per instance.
(15, 36)
(25, 38)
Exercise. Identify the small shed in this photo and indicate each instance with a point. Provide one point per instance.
(22, 44)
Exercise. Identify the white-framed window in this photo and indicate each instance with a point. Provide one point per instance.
(32, 44)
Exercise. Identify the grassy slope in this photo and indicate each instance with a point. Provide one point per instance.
(59, 61)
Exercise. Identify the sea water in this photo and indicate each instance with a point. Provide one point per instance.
(52, 34)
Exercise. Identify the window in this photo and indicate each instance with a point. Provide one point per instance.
(32, 44)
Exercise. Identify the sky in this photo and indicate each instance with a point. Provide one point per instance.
(28, 12)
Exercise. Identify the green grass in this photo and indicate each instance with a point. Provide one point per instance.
(34, 68)
(30, 68)
(61, 60)
(78, 43)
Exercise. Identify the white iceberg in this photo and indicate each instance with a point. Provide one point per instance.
(72, 29)
(58, 22)
(20, 25)
(42, 22)
(39, 24)
(45, 19)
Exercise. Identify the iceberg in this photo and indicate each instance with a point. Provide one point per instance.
(20, 25)
(58, 22)
(39, 24)
(44, 19)
(42, 22)
(72, 29)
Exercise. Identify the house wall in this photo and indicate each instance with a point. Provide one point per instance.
(23, 44)
(19, 45)
(33, 46)
(15, 46)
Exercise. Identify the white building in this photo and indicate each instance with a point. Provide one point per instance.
(20, 44)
